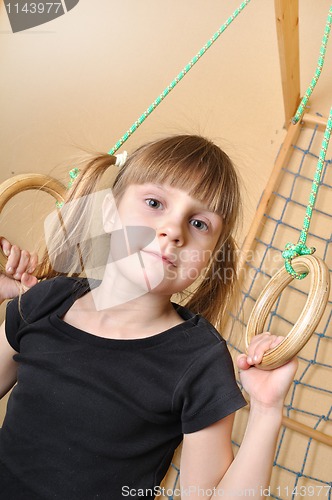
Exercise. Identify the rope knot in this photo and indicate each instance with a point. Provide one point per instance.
(294, 250)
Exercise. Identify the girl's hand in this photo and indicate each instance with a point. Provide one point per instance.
(267, 389)
(20, 265)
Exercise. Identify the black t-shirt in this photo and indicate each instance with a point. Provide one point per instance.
(92, 417)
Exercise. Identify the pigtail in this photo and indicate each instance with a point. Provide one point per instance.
(218, 292)
(90, 176)
(65, 255)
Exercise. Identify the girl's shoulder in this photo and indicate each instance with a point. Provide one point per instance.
(204, 327)
(46, 296)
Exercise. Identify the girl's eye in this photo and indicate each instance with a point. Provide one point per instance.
(199, 224)
(153, 203)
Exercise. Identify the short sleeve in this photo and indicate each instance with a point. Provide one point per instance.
(208, 390)
(22, 310)
(37, 302)
(13, 323)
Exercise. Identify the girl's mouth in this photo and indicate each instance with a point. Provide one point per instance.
(164, 258)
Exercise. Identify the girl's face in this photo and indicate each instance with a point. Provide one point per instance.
(175, 238)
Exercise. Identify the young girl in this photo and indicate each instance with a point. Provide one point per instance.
(112, 375)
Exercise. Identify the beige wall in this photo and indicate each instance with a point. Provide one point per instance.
(81, 80)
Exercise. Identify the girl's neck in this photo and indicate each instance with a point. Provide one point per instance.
(141, 317)
(117, 293)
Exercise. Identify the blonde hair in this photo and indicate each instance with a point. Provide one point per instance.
(197, 165)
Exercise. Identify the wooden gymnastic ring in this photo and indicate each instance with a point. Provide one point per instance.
(24, 182)
(308, 319)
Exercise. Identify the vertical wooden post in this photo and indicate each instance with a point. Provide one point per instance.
(287, 19)
(267, 195)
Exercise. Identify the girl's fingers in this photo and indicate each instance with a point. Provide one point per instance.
(20, 261)
(23, 264)
(28, 281)
(13, 260)
(33, 263)
(260, 345)
(5, 246)
(242, 362)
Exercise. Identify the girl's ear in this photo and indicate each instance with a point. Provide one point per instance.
(110, 214)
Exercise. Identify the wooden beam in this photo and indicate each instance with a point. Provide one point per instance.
(307, 431)
(267, 195)
(287, 19)
(314, 120)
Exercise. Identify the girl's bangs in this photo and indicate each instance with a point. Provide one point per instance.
(190, 163)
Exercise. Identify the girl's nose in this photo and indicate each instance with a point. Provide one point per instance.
(173, 231)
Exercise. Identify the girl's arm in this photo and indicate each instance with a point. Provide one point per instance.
(19, 264)
(203, 463)
(206, 455)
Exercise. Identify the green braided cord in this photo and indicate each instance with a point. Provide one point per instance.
(318, 71)
(75, 172)
(72, 174)
(177, 79)
(301, 248)
(293, 250)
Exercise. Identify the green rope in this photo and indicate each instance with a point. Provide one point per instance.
(318, 71)
(177, 79)
(75, 172)
(301, 248)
